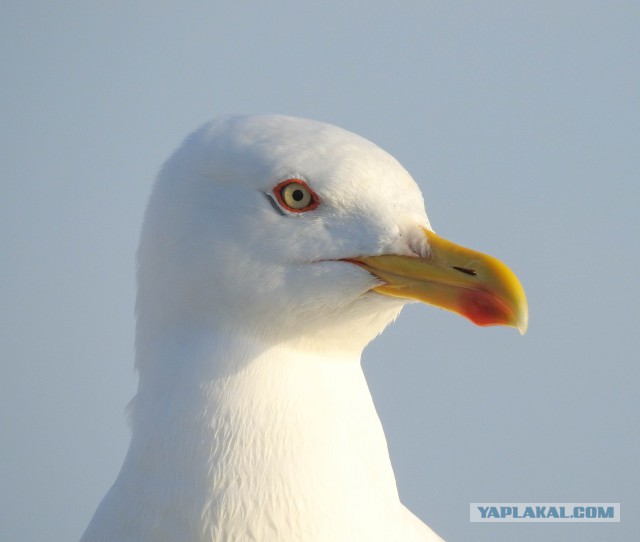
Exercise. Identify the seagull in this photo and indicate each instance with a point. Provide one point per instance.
(273, 250)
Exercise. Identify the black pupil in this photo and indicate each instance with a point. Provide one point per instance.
(297, 195)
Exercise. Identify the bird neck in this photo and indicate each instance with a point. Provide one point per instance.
(258, 438)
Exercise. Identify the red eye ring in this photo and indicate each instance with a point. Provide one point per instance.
(296, 196)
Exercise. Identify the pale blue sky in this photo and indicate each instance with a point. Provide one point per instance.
(519, 120)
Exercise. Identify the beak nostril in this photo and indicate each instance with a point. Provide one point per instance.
(465, 270)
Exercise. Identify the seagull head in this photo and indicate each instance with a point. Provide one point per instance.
(294, 230)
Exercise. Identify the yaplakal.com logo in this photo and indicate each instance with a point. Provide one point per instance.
(558, 512)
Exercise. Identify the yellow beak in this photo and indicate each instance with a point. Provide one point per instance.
(474, 285)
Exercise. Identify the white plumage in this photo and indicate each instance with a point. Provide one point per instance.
(253, 420)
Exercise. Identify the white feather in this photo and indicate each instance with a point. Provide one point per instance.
(253, 420)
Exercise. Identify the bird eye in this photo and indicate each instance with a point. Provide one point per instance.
(295, 196)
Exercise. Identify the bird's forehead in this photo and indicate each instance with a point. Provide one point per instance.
(262, 150)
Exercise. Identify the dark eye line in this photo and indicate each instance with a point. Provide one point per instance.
(275, 205)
